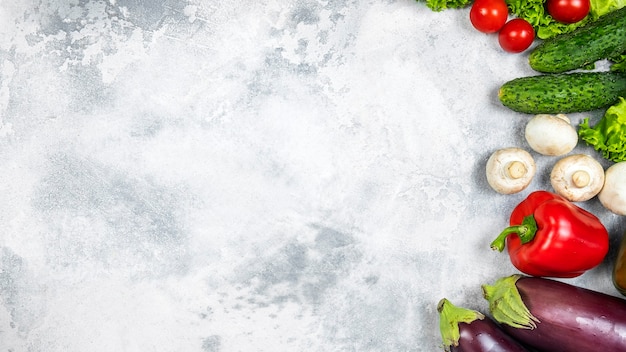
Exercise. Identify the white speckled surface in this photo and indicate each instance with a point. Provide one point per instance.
(250, 175)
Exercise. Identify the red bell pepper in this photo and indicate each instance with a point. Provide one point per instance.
(554, 237)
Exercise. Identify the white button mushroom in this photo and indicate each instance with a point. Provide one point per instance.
(577, 177)
(613, 194)
(551, 134)
(510, 170)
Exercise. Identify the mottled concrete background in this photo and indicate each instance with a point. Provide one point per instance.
(276, 175)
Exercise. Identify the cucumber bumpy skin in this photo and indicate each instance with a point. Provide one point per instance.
(604, 38)
(563, 92)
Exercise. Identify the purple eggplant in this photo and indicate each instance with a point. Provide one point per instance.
(554, 316)
(465, 330)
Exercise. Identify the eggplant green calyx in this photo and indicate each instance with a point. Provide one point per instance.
(449, 318)
(526, 232)
(506, 304)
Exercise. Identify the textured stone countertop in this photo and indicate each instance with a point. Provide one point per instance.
(245, 175)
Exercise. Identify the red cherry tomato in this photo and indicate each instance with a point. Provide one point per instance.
(568, 11)
(516, 35)
(488, 16)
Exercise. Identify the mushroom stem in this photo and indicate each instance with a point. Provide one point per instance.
(581, 178)
(516, 169)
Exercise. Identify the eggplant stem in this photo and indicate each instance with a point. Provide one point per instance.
(449, 318)
(506, 304)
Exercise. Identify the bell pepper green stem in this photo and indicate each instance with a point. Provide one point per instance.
(526, 232)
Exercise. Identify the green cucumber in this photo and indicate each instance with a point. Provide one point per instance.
(563, 92)
(601, 39)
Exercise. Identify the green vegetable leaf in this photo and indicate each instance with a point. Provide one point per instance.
(440, 5)
(608, 136)
(601, 7)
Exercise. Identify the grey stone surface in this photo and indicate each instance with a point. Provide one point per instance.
(250, 175)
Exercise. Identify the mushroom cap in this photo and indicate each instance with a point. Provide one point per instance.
(551, 134)
(577, 177)
(510, 170)
(613, 194)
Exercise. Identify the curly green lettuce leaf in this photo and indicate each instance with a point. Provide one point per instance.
(608, 136)
(602, 7)
(440, 5)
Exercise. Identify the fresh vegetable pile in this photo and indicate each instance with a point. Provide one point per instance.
(542, 19)
(550, 236)
(564, 85)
